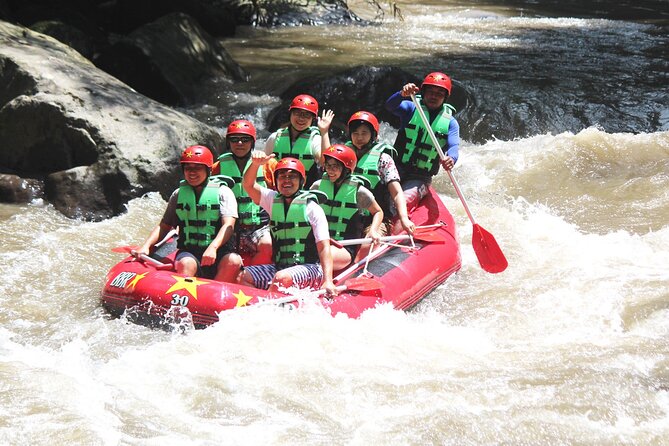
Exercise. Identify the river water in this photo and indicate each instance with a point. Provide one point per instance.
(570, 345)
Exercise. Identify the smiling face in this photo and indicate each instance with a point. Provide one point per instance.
(195, 174)
(240, 144)
(287, 182)
(301, 119)
(333, 168)
(433, 97)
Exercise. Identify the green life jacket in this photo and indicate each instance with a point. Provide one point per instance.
(300, 149)
(250, 214)
(368, 167)
(341, 207)
(199, 220)
(293, 241)
(416, 152)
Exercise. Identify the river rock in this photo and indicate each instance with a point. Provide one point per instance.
(94, 141)
(170, 60)
(14, 189)
(359, 88)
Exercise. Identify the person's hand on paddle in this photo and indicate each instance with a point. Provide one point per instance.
(330, 288)
(374, 235)
(447, 163)
(325, 121)
(407, 225)
(409, 89)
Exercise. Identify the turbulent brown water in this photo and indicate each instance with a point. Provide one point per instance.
(570, 345)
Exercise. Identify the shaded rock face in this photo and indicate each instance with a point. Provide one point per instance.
(360, 88)
(296, 13)
(92, 142)
(169, 60)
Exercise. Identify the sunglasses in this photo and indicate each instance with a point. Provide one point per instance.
(238, 139)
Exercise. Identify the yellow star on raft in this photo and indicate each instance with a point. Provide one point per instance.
(134, 281)
(186, 283)
(242, 299)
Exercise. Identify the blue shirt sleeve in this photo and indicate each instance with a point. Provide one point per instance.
(404, 109)
(401, 108)
(453, 143)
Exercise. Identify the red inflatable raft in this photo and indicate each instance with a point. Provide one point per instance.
(400, 272)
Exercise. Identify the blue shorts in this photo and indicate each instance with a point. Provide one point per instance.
(309, 275)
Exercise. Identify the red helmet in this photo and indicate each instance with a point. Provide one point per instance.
(242, 127)
(197, 155)
(344, 154)
(364, 116)
(438, 80)
(290, 164)
(305, 102)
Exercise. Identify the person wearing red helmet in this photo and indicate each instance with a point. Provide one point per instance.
(347, 199)
(252, 238)
(299, 138)
(299, 228)
(376, 164)
(205, 211)
(417, 160)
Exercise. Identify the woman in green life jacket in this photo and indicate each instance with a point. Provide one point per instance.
(347, 199)
(299, 138)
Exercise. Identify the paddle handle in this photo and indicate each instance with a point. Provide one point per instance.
(156, 263)
(436, 145)
(367, 241)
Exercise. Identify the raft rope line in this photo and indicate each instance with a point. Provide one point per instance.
(375, 254)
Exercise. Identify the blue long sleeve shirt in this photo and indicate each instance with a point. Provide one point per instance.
(404, 109)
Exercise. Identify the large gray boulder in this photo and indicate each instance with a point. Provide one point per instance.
(93, 141)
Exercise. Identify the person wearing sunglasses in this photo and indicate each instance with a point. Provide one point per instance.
(347, 200)
(299, 228)
(417, 160)
(252, 238)
(299, 138)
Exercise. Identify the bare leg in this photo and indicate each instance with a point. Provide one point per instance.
(228, 268)
(186, 266)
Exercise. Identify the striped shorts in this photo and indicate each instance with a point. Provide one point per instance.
(309, 275)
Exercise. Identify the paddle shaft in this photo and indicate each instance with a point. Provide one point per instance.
(436, 145)
(366, 241)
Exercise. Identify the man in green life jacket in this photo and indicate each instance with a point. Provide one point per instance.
(299, 228)
(417, 160)
(252, 238)
(205, 211)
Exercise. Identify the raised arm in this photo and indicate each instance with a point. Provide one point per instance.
(324, 123)
(252, 188)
